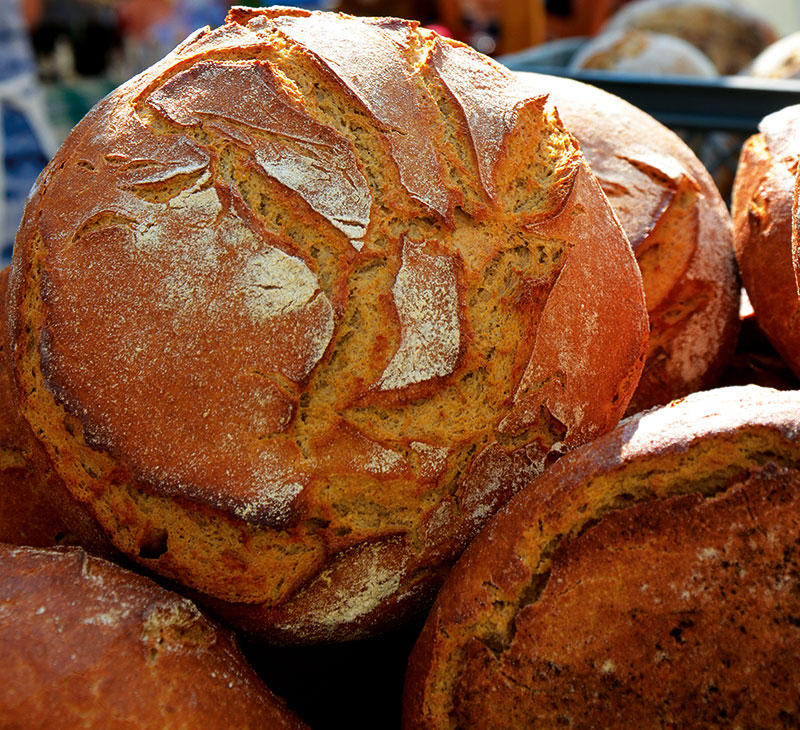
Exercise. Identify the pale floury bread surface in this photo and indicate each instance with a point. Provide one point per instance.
(87, 644)
(680, 230)
(727, 32)
(763, 219)
(298, 308)
(649, 579)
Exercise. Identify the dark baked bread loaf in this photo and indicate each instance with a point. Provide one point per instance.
(762, 217)
(298, 308)
(680, 230)
(649, 579)
(87, 644)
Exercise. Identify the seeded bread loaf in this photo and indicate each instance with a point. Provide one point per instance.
(351, 285)
(680, 230)
(87, 644)
(762, 218)
(649, 579)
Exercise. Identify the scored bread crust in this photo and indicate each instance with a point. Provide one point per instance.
(351, 285)
(680, 230)
(762, 207)
(645, 579)
(88, 644)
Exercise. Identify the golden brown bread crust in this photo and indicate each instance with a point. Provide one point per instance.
(762, 218)
(680, 230)
(87, 644)
(340, 313)
(23, 520)
(35, 509)
(647, 579)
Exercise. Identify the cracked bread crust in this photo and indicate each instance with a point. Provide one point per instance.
(352, 285)
(762, 206)
(647, 579)
(680, 230)
(88, 644)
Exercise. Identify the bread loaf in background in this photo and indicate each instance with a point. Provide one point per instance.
(680, 230)
(295, 310)
(648, 579)
(763, 220)
(642, 53)
(87, 644)
(727, 32)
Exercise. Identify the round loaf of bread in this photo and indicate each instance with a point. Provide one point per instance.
(649, 579)
(680, 230)
(762, 202)
(780, 60)
(295, 310)
(642, 53)
(87, 644)
(728, 33)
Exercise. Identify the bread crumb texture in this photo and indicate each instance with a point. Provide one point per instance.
(649, 579)
(317, 291)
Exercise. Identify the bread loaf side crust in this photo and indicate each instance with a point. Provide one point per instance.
(621, 572)
(293, 390)
(35, 507)
(680, 230)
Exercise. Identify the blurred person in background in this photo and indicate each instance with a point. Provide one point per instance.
(26, 142)
(152, 28)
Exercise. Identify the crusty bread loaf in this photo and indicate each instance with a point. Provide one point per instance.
(649, 579)
(298, 308)
(729, 33)
(680, 230)
(87, 644)
(762, 219)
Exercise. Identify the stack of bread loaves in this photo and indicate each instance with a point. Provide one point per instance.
(295, 310)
